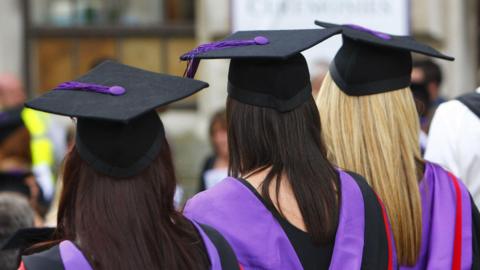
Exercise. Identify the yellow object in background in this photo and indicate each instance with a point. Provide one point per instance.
(42, 149)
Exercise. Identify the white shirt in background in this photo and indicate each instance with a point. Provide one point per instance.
(215, 176)
(454, 142)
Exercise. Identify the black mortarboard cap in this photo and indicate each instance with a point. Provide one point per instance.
(10, 121)
(26, 237)
(266, 68)
(371, 62)
(13, 181)
(118, 130)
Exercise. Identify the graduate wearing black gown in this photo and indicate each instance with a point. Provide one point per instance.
(367, 93)
(116, 209)
(273, 129)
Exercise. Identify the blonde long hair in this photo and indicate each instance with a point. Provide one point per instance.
(377, 137)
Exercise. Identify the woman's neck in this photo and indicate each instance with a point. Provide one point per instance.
(285, 201)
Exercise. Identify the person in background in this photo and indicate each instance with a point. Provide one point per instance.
(454, 139)
(23, 184)
(11, 91)
(422, 103)
(429, 75)
(116, 208)
(15, 160)
(371, 126)
(215, 167)
(15, 139)
(51, 216)
(39, 126)
(285, 206)
(15, 214)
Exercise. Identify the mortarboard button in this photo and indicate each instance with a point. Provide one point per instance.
(260, 40)
(117, 90)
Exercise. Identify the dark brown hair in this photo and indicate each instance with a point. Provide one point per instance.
(128, 223)
(17, 146)
(290, 144)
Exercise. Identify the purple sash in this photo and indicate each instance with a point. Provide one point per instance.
(258, 239)
(438, 221)
(348, 249)
(72, 257)
(211, 249)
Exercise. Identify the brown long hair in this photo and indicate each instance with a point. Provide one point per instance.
(290, 144)
(128, 223)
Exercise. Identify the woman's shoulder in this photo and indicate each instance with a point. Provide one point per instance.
(47, 259)
(349, 177)
(378, 248)
(216, 244)
(64, 256)
(372, 203)
(218, 194)
(437, 174)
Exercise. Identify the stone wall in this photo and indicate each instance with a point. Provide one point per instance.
(11, 48)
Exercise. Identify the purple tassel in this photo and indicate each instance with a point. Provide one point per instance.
(192, 66)
(373, 32)
(193, 62)
(97, 88)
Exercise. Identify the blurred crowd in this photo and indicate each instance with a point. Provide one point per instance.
(32, 146)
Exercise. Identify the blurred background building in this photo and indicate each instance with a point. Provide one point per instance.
(46, 42)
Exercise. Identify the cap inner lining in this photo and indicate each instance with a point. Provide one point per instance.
(370, 88)
(114, 171)
(264, 100)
